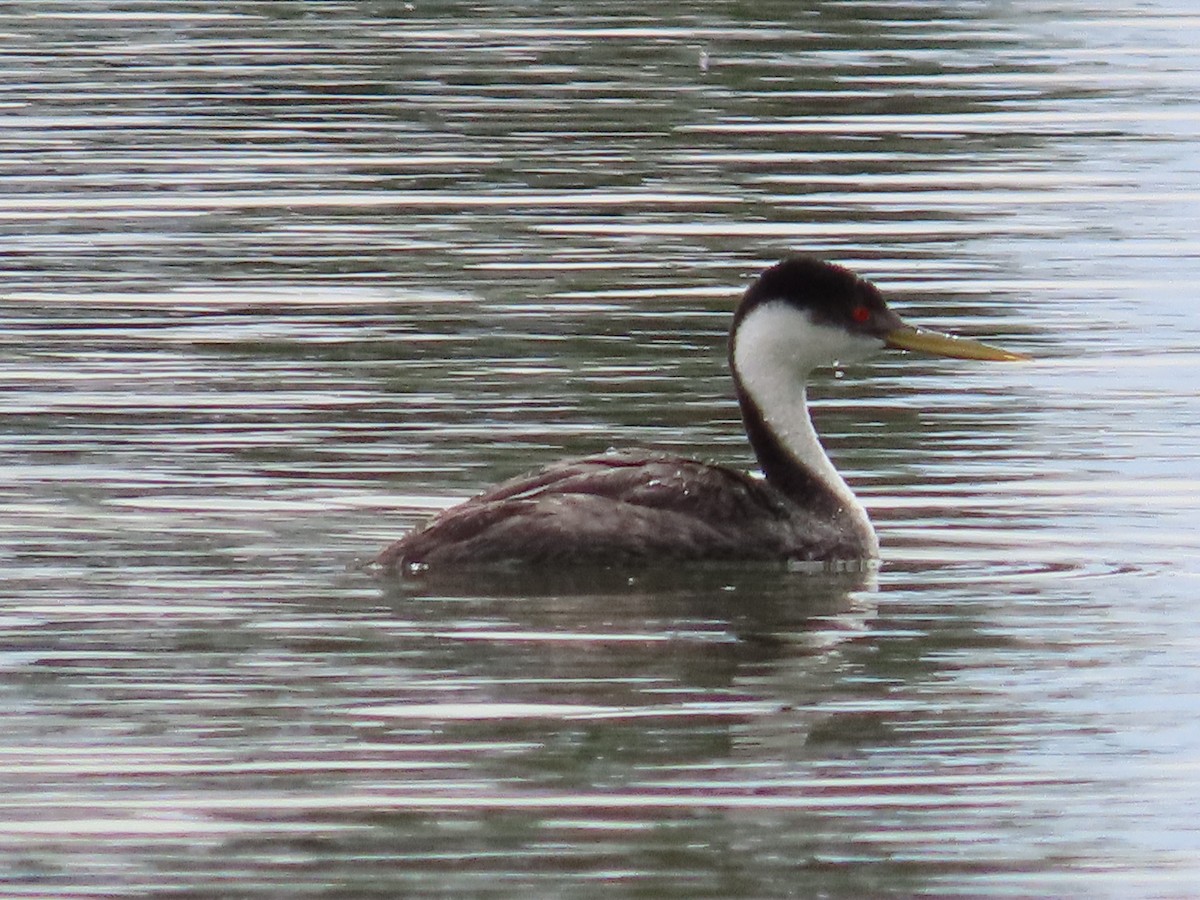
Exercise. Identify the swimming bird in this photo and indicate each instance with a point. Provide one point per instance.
(636, 507)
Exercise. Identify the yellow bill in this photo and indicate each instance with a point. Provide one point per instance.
(938, 344)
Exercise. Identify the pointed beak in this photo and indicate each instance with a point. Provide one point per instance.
(908, 338)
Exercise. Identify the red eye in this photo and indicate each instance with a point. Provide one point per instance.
(861, 315)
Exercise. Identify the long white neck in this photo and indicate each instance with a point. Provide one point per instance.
(774, 349)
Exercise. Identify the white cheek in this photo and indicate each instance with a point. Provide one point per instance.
(778, 338)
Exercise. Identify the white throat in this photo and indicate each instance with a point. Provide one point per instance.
(774, 350)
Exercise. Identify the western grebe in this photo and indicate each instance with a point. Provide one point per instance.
(639, 507)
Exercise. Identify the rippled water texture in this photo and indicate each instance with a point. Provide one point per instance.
(281, 279)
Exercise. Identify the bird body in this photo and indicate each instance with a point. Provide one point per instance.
(628, 507)
(641, 508)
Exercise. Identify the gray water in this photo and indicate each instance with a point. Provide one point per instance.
(282, 279)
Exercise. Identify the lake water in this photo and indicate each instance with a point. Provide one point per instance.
(281, 279)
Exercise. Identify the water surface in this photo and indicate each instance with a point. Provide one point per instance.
(283, 279)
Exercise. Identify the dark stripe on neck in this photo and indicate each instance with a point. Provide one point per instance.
(783, 471)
